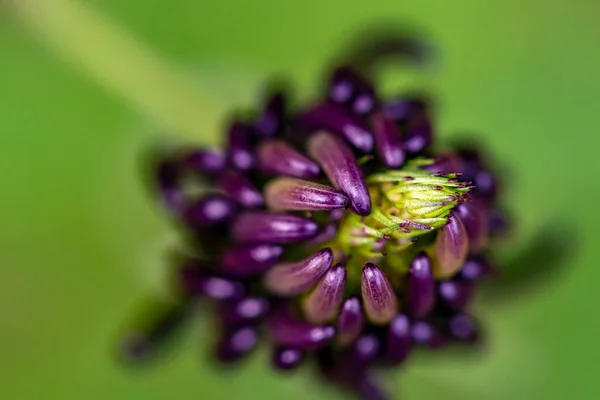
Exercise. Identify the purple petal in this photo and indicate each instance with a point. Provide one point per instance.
(475, 220)
(239, 149)
(333, 117)
(205, 161)
(237, 344)
(379, 300)
(451, 248)
(486, 186)
(272, 228)
(476, 268)
(421, 287)
(464, 328)
(350, 321)
(293, 332)
(211, 210)
(398, 340)
(195, 282)
(292, 278)
(243, 311)
(323, 303)
(388, 141)
(298, 194)
(426, 334)
(455, 295)
(341, 168)
(276, 157)
(497, 223)
(367, 347)
(251, 259)
(365, 101)
(286, 359)
(343, 85)
(403, 109)
(326, 234)
(419, 135)
(447, 163)
(168, 176)
(236, 186)
(270, 122)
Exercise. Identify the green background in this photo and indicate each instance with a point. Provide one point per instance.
(81, 244)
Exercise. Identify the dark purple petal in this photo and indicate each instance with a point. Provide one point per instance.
(447, 163)
(334, 117)
(365, 101)
(388, 141)
(350, 321)
(476, 268)
(451, 248)
(204, 161)
(463, 327)
(297, 194)
(290, 331)
(379, 300)
(343, 85)
(168, 175)
(237, 344)
(497, 223)
(239, 149)
(270, 122)
(486, 186)
(272, 228)
(420, 294)
(341, 168)
(427, 334)
(196, 282)
(286, 359)
(276, 157)
(236, 186)
(455, 294)
(403, 109)
(419, 135)
(243, 311)
(251, 259)
(323, 303)
(370, 390)
(471, 163)
(398, 340)
(292, 278)
(211, 210)
(326, 234)
(367, 347)
(475, 220)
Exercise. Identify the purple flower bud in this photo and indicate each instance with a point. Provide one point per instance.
(447, 163)
(333, 117)
(267, 227)
(326, 234)
(341, 168)
(236, 186)
(398, 340)
(364, 102)
(204, 161)
(379, 300)
(276, 157)
(239, 149)
(287, 359)
(426, 334)
(323, 303)
(367, 347)
(250, 259)
(290, 331)
(343, 85)
(211, 210)
(475, 220)
(419, 135)
(291, 278)
(270, 122)
(388, 141)
(168, 175)
(403, 109)
(243, 311)
(196, 282)
(298, 194)
(476, 268)
(463, 327)
(455, 294)
(486, 186)
(451, 248)
(350, 321)
(421, 287)
(237, 344)
(497, 223)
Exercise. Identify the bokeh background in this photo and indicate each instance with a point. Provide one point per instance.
(87, 86)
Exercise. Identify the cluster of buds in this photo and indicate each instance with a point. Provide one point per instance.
(336, 232)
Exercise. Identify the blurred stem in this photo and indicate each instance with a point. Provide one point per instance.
(122, 64)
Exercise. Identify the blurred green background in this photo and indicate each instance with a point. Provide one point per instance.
(81, 243)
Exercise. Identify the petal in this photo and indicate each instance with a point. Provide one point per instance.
(211, 210)
(455, 295)
(195, 282)
(251, 259)
(398, 340)
(236, 186)
(463, 327)
(239, 149)
(419, 135)
(350, 321)
(291, 278)
(243, 311)
(379, 299)
(341, 168)
(475, 220)
(276, 157)
(476, 268)
(236, 344)
(323, 303)
(334, 117)
(204, 161)
(326, 234)
(291, 331)
(388, 141)
(421, 287)
(425, 333)
(343, 85)
(451, 248)
(272, 228)
(298, 194)
(168, 175)
(270, 122)
(286, 359)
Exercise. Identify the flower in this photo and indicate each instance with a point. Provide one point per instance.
(337, 231)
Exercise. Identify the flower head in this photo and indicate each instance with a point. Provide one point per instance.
(337, 230)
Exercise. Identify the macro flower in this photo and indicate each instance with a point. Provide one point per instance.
(336, 233)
